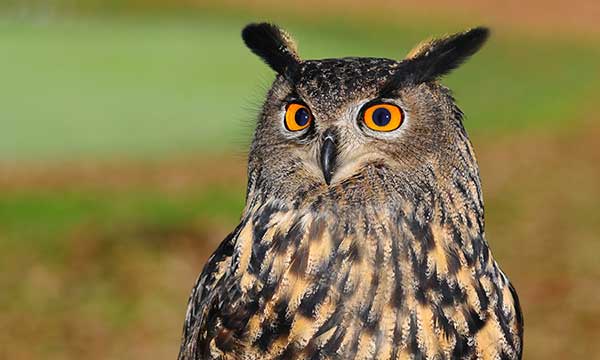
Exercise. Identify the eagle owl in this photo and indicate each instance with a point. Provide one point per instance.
(362, 236)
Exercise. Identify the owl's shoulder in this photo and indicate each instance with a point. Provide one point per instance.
(204, 293)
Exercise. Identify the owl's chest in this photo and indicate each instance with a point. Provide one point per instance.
(324, 285)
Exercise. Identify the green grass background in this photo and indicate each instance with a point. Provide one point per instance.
(157, 86)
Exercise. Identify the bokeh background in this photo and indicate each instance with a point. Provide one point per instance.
(124, 127)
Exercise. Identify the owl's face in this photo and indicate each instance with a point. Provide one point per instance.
(328, 121)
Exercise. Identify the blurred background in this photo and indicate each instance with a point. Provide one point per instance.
(124, 127)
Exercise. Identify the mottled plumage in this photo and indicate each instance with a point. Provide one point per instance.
(375, 250)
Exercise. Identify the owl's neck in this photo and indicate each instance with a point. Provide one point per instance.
(431, 223)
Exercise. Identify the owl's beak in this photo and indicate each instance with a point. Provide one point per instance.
(328, 154)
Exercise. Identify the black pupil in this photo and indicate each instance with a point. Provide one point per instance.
(382, 117)
(302, 117)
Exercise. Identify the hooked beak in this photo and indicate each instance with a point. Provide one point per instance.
(328, 155)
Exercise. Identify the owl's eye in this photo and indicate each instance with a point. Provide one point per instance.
(297, 117)
(383, 117)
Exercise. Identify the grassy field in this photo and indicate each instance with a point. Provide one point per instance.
(121, 168)
(150, 87)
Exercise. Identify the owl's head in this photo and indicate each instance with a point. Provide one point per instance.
(330, 121)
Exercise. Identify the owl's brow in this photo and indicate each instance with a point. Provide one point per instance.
(294, 95)
(292, 74)
(399, 78)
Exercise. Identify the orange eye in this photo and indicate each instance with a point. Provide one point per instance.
(297, 117)
(383, 117)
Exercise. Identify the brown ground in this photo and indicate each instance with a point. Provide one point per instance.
(179, 174)
(543, 220)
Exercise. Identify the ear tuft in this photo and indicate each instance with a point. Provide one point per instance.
(435, 58)
(438, 57)
(275, 46)
(420, 49)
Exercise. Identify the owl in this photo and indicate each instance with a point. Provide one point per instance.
(362, 236)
